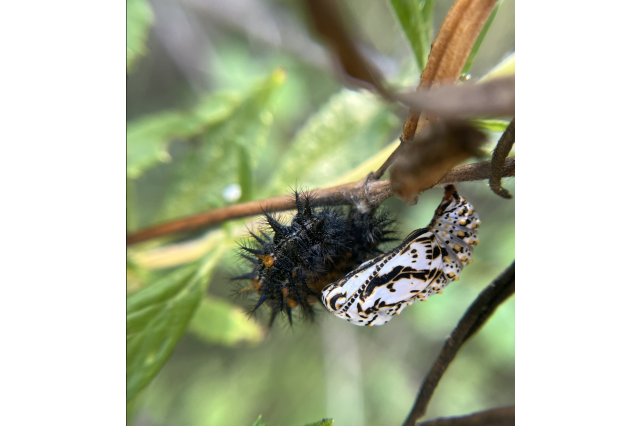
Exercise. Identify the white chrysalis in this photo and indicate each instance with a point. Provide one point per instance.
(425, 263)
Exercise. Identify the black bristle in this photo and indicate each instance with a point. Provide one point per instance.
(260, 302)
(250, 259)
(258, 239)
(247, 276)
(250, 250)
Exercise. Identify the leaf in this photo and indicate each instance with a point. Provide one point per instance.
(349, 127)
(259, 422)
(139, 19)
(245, 174)
(226, 153)
(219, 322)
(416, 20)
(157, 316)
(323, 422)
(474, 50)
(132, 215)
(505, 68)
(492, 125)
(148, 138)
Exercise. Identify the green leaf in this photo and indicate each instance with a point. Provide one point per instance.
(351, 126)
(323, 422)
(132, 215)
(158, 315)
(225, 154)
(219, 322)
(506, 67)
(416, 20)
(139, 19)
(259, 422)
(245, 173)
(148, 138)
(474, 50)
(493, 125)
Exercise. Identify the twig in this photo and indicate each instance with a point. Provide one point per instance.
(370, 193)
(499, 156)
(481, 309)
(504, 416)
(496, 97)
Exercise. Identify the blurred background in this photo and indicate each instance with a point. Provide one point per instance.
(234, 101)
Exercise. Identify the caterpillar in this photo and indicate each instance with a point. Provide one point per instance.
(423, 264)
(291, 264)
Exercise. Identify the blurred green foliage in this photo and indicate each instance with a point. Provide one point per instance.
(268, 122)
(139, 19)
(416, 20)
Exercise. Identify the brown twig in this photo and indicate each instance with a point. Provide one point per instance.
(503, 416)
(503, 148)
(481, 309)
(362, 192)
(329, 25)
(495, 98)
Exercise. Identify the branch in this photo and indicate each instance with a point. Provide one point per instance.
(496, 97)
(477, 314)
(369, 193)
(503, 148)
(504, 416)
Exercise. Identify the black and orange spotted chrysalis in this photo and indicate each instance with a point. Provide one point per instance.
(291, 264)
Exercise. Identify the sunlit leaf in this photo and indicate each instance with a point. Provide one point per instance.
(158, 315)
(218, 322)
(348, 128)
(492, 125)
(139, 19)
(416, 20)
(505, 68)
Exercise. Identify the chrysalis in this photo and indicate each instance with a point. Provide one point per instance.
(426, 262)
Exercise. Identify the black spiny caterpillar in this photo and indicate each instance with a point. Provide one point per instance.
(293, 263)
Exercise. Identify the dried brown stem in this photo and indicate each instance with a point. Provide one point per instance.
(503, 416)
(358, 193)
(477, 314)
(503, 148)
(328, 23)
(495, 98)
(450, 50)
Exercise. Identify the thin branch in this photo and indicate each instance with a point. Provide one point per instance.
(495, 98)
(503, 416)
(481, 309)
(362, 193)
(503, 148)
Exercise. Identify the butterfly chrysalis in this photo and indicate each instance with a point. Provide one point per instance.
(426, 262)
(291, 264)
